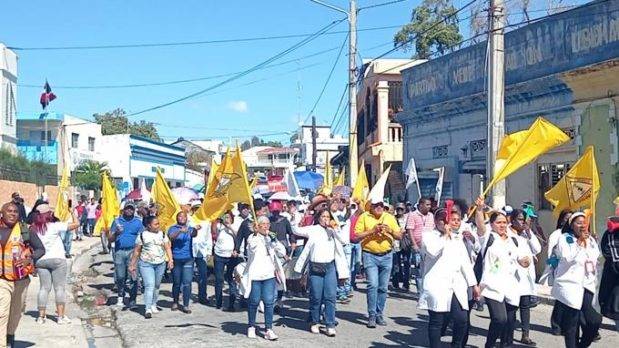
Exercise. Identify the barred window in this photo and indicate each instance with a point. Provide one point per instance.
(439, 151)
(548, 175)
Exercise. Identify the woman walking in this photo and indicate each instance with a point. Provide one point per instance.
(224, 261)
(576, 258)
(530, 246)
(262, 274)
(498, 263)
(151, 248)
(51, 267)
(181, 236)
(609, 286)
(327, 263)
(448, 274)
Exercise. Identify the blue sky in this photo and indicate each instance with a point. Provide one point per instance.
(263, 107)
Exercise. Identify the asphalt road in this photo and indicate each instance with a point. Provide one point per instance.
(407, 326)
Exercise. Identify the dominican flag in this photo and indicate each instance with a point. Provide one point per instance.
(47, 96)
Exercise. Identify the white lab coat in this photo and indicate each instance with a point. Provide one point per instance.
(576, 271)
(447, 271)
(276, 250)
(498, 281)
(316, 235)
(526, 275)
(202, 243)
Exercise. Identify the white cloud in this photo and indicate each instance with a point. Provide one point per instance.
(238, 106)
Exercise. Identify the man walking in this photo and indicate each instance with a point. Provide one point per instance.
(91, 216)
(377, 230)
(123, 233)
(19, 202)
(17, 264)
(419, 221)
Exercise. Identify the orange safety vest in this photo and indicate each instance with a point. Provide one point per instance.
(15, 245)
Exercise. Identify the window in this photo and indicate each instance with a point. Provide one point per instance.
(478, 148)
(74, 140)
(439, 151)
(548, 175)
(91, 144)
(46, 137)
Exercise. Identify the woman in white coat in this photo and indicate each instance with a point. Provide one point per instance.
(327, 263)
(262, 274)
(499, 260)
(448, 273)
(529, 245)
(574, 287)
(562, 220)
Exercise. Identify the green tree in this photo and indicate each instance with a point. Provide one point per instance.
(428, 29)
(88, 175)
(116, 122)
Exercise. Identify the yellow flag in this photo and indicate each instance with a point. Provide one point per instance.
(362, 187)
(341, 178)
(167, 206)
(110, 208)
(229, 185)
(521, 148)
(61, 211)
(327, 181)
(579, 188)
(211, 174)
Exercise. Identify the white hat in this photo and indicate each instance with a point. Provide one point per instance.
(377, 194)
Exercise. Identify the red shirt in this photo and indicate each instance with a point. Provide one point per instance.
(353, 223)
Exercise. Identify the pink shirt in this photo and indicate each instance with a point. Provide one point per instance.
(419, 223)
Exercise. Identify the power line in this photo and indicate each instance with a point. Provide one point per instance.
(339, 105)
(324, 87)
(191, 43)
(246, 72)
(380, 5)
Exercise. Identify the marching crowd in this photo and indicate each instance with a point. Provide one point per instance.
(460, 258)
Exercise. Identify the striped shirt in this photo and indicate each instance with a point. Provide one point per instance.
(419, 224)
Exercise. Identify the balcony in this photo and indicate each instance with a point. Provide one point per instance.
(394, 134)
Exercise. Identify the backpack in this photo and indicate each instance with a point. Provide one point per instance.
(478, 268)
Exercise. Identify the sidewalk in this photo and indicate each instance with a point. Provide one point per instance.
(51, 334)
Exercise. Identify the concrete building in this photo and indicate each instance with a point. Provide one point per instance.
(269, 160)
(564, 68)
(379, 137)
(133, 159)
(198, 158)
(58, 138)
(326, 143)
(8, 98)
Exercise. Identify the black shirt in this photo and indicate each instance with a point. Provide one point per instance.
(245, 230)
(282, 228)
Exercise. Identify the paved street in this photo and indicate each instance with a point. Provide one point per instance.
(206, 325)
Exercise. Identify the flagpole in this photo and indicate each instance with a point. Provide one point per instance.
(593, 175)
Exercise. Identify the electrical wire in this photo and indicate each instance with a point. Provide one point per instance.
(339, 105)
(324, 86)
(246, 72)
(380, 5)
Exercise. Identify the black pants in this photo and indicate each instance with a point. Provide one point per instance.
(525, 314)
(466, 333)
(502, 319)
(588, 319)
(401, 271)
(460, 322)
(555, 317)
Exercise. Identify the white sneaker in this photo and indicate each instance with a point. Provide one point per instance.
(154, 309)
(270, 335)
(315, 329)
(64, 320)
(251, 332)
(40, 320)
(120, 303)
(331, 332)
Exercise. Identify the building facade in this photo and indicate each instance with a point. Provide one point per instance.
(564, 68)
(269, 160)
(8, 98)
(327, 146)
(133, 159)
(57, 138)
(379, 136)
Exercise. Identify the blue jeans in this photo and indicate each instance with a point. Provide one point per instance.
(322, 291)
(344, 290)
(67, 242)
(355, 262)
(91, 226)
(202, 278)
(417, 261)
(262, 290)
(151, 275)
(377, 271)
(182, 275)
(122, 258)
(228, 263)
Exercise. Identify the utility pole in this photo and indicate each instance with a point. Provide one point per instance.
(496, 94)
(314, 150)
(352, 85)
(352, 94)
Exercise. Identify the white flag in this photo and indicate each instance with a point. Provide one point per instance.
(411, 173)
(291, 184)
(439, 184)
